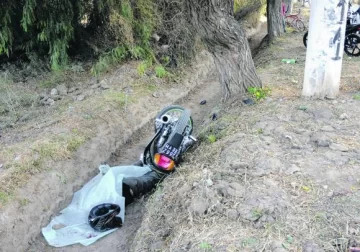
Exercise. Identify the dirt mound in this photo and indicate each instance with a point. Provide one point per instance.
(277, 176)
(272, 182)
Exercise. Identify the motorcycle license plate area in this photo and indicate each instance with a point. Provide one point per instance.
(171, 148)
(164, 162)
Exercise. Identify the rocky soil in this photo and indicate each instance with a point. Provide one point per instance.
(281, 176)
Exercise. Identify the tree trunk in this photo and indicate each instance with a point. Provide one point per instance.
(325, 48)
(247, 10)
(275, 20)
(223, 36)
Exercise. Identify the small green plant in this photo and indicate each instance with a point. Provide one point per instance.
(108, 59)
(137, 52)
(306, 188)
(143, 66)
(75, 142)
(260, 131)
(4, 198)
(356, 97)
(24, 202)
(126, 10)
(160, 71)
(259, 93)
(212, 138)
(249, 242)
(165, 60)
(289, 239)
(257, 213)
(205, 245)
(119, 98)
(152, 87)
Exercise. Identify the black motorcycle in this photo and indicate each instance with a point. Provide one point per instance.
(352, 40)
(173, 128)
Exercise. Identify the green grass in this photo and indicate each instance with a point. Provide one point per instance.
(53, 79)
(14, 100)
(109, 59)
(160, 72)
(211, 138)
(55, 148)
(24, 202)
(120, 99)
(257, 213)
(205, 245)
(4, 198)
(356, 97)
(259, 93)
(143, 66)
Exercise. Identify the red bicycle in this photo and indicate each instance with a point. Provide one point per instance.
(294, 20)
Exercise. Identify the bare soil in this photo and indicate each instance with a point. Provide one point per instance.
(122, 240)
(117, 131)
(281, 175)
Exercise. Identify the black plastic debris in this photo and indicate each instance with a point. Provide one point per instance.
(214, 117)
(249, 101)
(203, 102)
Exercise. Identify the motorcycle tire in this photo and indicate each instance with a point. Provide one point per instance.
(182, 123)
(352, 45)
(173, 109)
(305, 38)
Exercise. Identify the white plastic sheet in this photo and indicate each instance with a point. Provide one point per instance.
(71, 226)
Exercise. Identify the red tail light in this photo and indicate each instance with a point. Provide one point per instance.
(164, 162)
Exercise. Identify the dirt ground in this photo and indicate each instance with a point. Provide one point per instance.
(113, 136)
(280, 175)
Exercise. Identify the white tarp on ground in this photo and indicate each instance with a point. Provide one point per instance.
(71, 226)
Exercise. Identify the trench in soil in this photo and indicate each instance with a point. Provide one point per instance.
(128, 153)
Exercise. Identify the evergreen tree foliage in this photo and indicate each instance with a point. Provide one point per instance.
(108, 27)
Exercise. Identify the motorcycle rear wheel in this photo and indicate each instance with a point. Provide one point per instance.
(173, 111)
(352, 45)
(305, 38)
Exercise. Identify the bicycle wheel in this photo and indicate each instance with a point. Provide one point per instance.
(300, 25)
(175, 112)
(305, 38)
(352, 45)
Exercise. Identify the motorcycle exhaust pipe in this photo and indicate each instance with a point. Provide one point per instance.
(165, 119)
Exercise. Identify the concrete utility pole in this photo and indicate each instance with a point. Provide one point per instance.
(325, 48)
